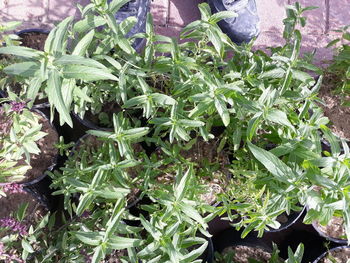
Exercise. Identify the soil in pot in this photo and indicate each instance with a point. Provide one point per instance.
(48, 153)
(35, 40)
(11, 203)
(338, 255)
(245, 254)
(334, 229)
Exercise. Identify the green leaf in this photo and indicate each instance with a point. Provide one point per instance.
(90, 238)
(112, 192)
(190, 123)
(253, 125)
(82, 46)
(24, 69)
(56, 99)
(276, 73)
(220, 106)
(87, 73)
(98, 255)
(135, 133)
(215, 39)
(346, 209)
(33, 89)
(84, 203)
(116, 242)
(89, 22)
(25, 52)
(78, 60)
(150, 229)
(180, 188)
(97, 133)
(191, 212)
(162, 99)
(59, 36)
(21, 211)
(26, 246)
(279, 117)
(115, 220)
(302, 76)
(221, 15)
(333, 42)
(275, 166)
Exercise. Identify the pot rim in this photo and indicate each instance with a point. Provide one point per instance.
(325, 253)
(289, 223)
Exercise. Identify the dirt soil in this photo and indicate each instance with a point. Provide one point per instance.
(339, 255)
(34, 40)
(11, 203)
(335, 228)
(244, 254)
(337, 114)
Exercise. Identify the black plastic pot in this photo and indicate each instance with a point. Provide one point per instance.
(293, 217)
(331, 250)
(208, 254)
(138, 9)
(242, 28)
(89, 125)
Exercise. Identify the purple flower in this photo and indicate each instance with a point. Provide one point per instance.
(14, 225)
(10, 258)
(13, 188)
(17, 106)
(85, 214)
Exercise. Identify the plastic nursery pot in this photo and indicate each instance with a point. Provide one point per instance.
(288, 220)
(138, 9)
(242, 28)
(38, 182)
(231, 238)
(88, 124)
(208, 255)
(339, 254)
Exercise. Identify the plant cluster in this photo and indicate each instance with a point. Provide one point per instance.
(20, 132)
(258, 108)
